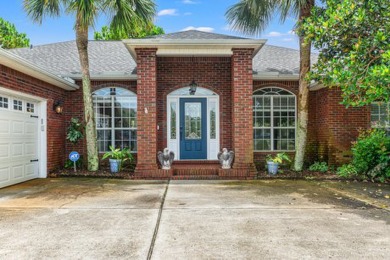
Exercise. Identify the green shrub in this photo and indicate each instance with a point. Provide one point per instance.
(319, 167)
(347, 171)
(371, 156)
(74, 131)
(69, 164)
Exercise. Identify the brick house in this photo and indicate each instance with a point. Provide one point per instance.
(245, 100)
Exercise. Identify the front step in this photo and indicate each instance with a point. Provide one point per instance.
(195, 168)
(195, 177)
(195, 172)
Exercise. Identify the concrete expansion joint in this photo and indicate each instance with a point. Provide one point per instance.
(150, 253)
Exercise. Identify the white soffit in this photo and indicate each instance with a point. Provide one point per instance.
(188, 47)
(17, 63)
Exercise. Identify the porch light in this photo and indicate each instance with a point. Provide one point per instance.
(58, 107)
(193, 85)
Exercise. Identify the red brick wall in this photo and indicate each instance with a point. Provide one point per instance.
(242, 118)
(213, 73)
(333, 127)
(146, 110)
(18, 81)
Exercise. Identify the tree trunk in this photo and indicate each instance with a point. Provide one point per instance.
(303, 96)
(90, 127)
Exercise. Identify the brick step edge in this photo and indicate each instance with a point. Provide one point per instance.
(195, 172)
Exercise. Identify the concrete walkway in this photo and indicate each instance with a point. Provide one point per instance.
(79, 218)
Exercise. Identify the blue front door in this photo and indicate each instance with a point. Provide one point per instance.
(193, 128)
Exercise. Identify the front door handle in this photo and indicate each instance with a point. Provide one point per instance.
(181, 133)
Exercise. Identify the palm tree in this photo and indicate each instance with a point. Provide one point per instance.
(123, 13)
(252, 17)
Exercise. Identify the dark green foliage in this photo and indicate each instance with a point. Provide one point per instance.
(139, 31)
(10, 38)
(69, 164)
(371, 156)
(319, 167)
(347, 171)
(354, 42)
(75, 131)
(119, 154)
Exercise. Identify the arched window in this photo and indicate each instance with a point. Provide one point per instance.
(116, 118)
(274, 120)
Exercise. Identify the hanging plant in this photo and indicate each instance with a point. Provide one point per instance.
(75, 131)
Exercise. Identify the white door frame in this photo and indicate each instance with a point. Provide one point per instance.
(42, 126)
(174, 143)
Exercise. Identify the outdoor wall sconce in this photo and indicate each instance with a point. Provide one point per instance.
(193, 85)
(58, 107)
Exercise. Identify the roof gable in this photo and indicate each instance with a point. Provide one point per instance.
(194, 35)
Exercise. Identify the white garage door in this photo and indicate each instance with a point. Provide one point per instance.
(18, 140)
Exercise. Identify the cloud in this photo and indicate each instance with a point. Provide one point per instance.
(279, 34)
(203, 29)
(187, 13)
(287, 39)
(167, 12)
(274, 34)
(188, 2)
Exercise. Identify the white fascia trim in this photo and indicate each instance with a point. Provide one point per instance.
(105, 77)
(275, 76)
(161, 44)
(17, 63)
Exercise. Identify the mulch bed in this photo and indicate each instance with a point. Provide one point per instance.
(308, 175)
(103, 173)
(129, 174)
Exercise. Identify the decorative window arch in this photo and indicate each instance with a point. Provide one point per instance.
(274, 119)
(116, 118)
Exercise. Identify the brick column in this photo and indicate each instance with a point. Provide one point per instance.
(146, 112)
(242, 126)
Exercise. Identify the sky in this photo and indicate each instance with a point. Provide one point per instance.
(172, 16)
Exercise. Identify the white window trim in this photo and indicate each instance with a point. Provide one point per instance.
(113, 128)
(213, 145)
(387, 124)
(272, 119)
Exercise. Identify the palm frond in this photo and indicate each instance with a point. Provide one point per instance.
(129, 13)
(251, 16)
(290, 8)
(86, 10)
(38, 9)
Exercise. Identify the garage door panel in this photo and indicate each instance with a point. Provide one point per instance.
(17, 171)
(4, 127)
(17, 127)
(30, 128)
(4, 175)
(4, 151)
(30, 149)
(17, 150)
(30, 169)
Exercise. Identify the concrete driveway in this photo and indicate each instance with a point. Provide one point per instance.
(79, 218)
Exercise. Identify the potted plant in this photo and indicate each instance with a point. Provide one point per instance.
(273, 162)
(117, 158)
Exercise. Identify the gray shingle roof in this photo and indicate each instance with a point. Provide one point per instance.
(194, 35)
(62, 58)
(278, 59)
(112, 57)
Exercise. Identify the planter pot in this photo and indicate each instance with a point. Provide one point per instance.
(115, 165)
(273, 168)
